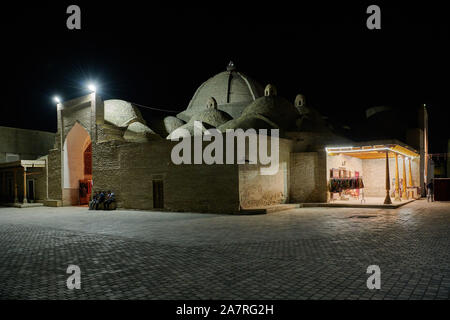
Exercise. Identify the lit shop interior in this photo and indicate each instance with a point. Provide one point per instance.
(376, 174)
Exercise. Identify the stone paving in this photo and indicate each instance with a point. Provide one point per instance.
(305, 253)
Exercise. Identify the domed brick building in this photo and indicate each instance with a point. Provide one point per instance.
(108, 145)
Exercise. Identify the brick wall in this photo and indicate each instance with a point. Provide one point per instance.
(40, 183)
(54, 174)
(258, 190)
(128, 169)
(308, 177)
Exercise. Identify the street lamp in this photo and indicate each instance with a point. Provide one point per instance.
(56, 99)
(92, 87)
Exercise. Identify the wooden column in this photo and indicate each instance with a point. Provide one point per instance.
(25, 200)
(15, 186)
(410, 184)
(387, 200)
(397, 188)
(404, 195)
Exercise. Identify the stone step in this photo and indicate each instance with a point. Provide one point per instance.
(270, 209)
(52, 203)
(394, 205)
(25, 205)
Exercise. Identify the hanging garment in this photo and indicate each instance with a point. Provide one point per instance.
(339, 184)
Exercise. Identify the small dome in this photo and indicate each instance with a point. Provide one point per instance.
(186, 130)
(212, 117)
(274, 108)
(232, 90)
(172, 123)
(121, 113)
(249, 122)
(139, 132)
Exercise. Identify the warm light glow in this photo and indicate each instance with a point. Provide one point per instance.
(92, 87)
(56, 99)
(338, 150)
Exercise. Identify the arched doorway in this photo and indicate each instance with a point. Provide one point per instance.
(77, 166)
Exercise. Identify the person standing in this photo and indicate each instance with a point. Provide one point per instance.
(430, 191)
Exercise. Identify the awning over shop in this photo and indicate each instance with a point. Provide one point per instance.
(373, 151)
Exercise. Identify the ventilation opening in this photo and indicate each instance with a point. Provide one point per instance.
(158, 194)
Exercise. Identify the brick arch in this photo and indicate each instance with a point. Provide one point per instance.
(73, 164)
(68, 128)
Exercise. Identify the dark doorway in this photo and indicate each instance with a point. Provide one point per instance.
(441, 189)
(30, 191)
(158, 194)
(85, 191)
(10, 190)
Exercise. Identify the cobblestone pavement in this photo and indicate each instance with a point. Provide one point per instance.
(308, 253)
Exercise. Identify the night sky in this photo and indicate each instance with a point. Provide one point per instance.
(158, 56)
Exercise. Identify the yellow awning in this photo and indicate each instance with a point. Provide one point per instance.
(373, 152)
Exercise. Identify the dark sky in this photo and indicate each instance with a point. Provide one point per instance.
(158, 56)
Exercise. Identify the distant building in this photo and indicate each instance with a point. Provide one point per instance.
(409, 125)
(21, 144)
(441, 163)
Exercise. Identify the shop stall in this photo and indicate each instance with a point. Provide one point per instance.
(376, 174)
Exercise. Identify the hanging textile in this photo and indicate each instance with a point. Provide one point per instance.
(339, 184)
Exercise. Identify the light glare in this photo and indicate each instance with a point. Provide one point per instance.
(92, 87)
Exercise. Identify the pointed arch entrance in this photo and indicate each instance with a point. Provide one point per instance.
(77, 166)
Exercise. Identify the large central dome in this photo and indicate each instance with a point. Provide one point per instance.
(232, 90)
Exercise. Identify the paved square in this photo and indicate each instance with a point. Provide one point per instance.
(307, 253)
